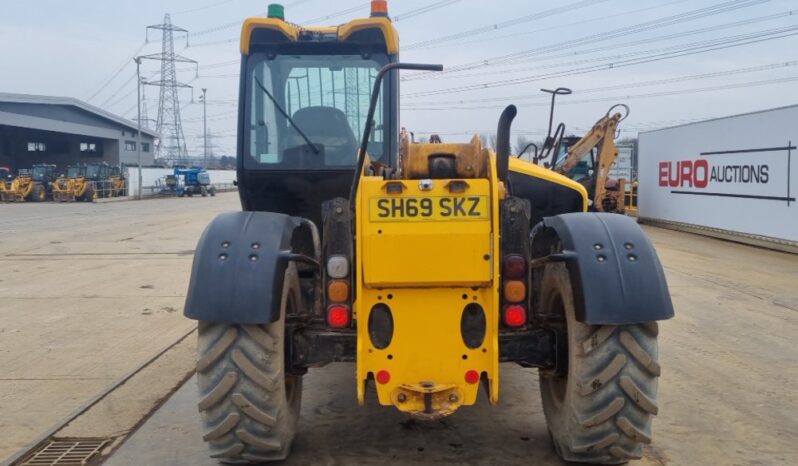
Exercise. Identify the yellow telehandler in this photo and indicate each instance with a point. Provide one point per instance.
(73, 186)
(427, 265)
(31, 185)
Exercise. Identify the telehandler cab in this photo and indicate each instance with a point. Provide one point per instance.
(73, 186)
(427, 265)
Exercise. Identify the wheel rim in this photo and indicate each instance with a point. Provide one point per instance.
(558, 382)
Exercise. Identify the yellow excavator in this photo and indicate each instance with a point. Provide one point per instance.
(587, 159)
(74, 186)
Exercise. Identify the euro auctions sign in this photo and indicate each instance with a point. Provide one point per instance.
(734, 174)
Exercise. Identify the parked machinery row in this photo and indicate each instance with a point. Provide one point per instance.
(79, 183)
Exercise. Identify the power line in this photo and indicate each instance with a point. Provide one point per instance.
(422, 10)
(620, 45)
(655, 82)
(114, 94)
(623, 97)
(614, 60)
(689, 50)
(361, 6)
(493, 27)
(335, 14)
(119, 71)
(358, 7)
(557, 26)
(204, 7)
(692, 15)
(237, 23)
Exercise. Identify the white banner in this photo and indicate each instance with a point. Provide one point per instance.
(736, 173)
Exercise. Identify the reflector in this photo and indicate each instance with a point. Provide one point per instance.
(383, 377)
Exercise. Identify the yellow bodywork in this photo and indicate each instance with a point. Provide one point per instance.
(19, 189)
(343, 32)
(426, 249)
(117, 186)
(70, 188)
(536, 171)
(427, 269)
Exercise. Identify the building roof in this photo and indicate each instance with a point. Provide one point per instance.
(720, 118)
(73, 102)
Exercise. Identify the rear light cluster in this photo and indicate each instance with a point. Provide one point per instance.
(514, 290)
(339, 313)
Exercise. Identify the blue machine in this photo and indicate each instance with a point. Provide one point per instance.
(187, 182)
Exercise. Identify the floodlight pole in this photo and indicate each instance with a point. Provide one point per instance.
(138, 136)
(204, 129)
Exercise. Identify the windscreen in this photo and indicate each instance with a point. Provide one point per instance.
(74, 172)
(92, 171)
(308, 111)
(583, 169)
(39, 173)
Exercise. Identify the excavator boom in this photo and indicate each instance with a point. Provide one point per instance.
(601, 137)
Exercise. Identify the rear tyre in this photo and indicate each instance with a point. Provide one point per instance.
(38, 193)
(249, 406)
(212, 191)
(600, 408)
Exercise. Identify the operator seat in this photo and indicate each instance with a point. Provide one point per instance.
(328, 127)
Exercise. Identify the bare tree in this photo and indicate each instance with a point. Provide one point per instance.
(520, 143)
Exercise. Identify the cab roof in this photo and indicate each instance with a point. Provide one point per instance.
(341, 33)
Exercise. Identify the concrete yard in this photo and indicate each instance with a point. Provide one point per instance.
(89, 292)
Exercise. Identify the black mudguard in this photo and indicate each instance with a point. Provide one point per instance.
(239, 265)
(615, 272)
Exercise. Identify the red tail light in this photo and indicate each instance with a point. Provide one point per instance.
(514, 315)
(338, 316)
(472, 377)
(383, 377)
(514, 266)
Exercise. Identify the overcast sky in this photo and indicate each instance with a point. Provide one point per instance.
(607, 51)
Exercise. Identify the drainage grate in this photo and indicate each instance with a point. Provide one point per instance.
(76, 452)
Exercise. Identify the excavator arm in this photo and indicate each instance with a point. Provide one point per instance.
(602, 137)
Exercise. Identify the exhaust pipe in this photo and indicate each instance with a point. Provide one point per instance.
(503, 142)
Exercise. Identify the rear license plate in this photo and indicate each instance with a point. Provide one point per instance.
(433, 208)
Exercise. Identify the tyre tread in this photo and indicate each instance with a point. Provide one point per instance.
(610, 396)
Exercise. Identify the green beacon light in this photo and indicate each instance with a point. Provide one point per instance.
(276, 11)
